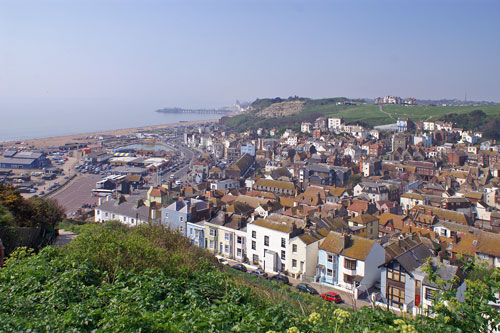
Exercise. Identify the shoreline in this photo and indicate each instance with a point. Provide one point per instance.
(61, 140)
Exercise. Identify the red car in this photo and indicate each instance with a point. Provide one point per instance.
(331, 297)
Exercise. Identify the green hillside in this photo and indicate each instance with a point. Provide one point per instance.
(149, 279)
(368, 114)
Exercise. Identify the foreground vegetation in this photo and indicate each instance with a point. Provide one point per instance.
(26, 222)
(113, 278)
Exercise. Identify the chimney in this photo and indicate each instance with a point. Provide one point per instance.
(344, 240)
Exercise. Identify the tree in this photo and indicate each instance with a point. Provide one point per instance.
(46, 212)
(122, 199)
(354, 179)
(6, 218)
(474, 313)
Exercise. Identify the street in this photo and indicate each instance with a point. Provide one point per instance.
(347, 298)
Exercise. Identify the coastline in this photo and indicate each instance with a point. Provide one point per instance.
(41, 143)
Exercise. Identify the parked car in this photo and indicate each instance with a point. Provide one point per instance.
(222, 261)
(280, 278)
(305, 288)
(41, 193)
(332, 297)
(240, 267)
(258, 273)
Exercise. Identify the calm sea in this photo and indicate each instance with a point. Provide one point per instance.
(18, 123)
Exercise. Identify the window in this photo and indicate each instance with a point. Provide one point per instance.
(283, 255)
(395, 275)
(98, 212)
(283, 242)
(282, 267)
(132, 220)
(254, 234)
(239, 240)
(212, 244)
(350, 264)
(226, 248)
(239, 252)
(255, 259)
(329, 272)
(213, 232)
(254, 245)
(113, 216)
(166, 215)
(227, 236)
(106, 214)
(266, 240)
(294, 248)
(429, 294)
(330, 258)
(348, 279)
(396, 296)
(124, 219)
(181, 228)
(181, 218)
(294, 263)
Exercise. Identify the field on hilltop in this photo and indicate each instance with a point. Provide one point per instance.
(366, 114)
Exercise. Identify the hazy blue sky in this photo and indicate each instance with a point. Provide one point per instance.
(209, 53)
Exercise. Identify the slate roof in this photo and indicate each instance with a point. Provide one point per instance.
(397, 247)
(128, 209)
(9, 160)
(414, 258)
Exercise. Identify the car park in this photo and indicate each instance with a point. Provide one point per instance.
(332, 297)
(305, 288)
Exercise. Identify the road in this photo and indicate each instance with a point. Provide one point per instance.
(347, 298)
(189, 155)
(77, 193)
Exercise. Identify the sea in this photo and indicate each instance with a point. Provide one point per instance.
(21, 124)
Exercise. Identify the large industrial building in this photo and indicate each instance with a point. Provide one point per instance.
(14, 159)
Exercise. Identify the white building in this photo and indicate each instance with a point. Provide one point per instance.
(334, 123)
(429, 126)
(225, 184)
(303, 258)
(126, 212)
(268, 242)
(306, 127)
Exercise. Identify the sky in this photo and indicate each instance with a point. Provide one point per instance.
(209, 53)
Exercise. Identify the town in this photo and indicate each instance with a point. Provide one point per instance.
(353, 212)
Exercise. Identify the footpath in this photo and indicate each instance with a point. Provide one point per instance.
(64, 237)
